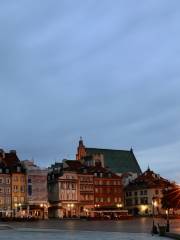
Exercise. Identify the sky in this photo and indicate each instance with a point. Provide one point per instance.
(106, 70)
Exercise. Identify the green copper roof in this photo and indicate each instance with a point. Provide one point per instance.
(119, 161)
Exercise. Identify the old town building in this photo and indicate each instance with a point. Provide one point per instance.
(108, 189)
(5, 191)
(62, 191)
(119, 161)
(17, 177)
(36, 179)
(77, 190)
(143, 195)
(85, 187)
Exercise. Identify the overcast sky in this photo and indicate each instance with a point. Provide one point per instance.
(106, 70)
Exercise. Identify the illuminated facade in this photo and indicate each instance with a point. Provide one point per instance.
(13, 189)
(76, 190)
(143, 195)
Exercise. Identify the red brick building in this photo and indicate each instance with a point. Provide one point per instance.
(108, 189)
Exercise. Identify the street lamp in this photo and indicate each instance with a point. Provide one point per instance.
(154, 204)
(119, 205)
(167, 209)
(43, 206)
(70, 206)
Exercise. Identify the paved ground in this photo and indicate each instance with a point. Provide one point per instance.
(138, 225)
(74, 235)
(136, 229)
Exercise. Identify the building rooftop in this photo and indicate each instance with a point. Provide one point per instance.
(119, 161)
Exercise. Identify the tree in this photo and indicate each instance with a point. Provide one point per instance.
(171, 198)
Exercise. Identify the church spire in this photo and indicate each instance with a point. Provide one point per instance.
(81, 142)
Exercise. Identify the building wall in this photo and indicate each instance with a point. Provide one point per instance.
(108, 191)
(5, 192)
(85, 193)
(37, 186)
(141, 199)
(19, 189)
(63, 195)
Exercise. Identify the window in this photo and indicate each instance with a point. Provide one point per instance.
(7, 170)
(8, 190)
(1, 190)
(136, 201)
(15, 199)
(128, 202)
(100, 182)
(22, 188)
(1, 180)
(22, 179)
(30, 181)
(156, 191)
(145, 192)
(15, 178)
(128, 194)
(108, 199)
(96, 190)
(1, 200)
(108, 190)
(30, 190)
(7, 180)
(0, 170)
(15, 188)
(135, 193)
(22, 199)
(141, 192)
(8, 200)
(18, 169)
(144, 200)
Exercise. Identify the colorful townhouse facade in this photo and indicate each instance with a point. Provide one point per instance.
(13, 185)
(77, 190)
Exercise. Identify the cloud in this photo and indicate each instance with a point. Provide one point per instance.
(106, 71)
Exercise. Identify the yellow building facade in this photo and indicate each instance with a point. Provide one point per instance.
(19, 190)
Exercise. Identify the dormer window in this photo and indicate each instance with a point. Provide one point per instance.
(0, 170)
(18, 169)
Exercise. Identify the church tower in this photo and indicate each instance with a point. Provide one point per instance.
(81, 150)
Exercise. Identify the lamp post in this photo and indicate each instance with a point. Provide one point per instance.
(43, 206)
(20, 208)
(70, 206)
(15, 210)
(167, 209)
(154, 204)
